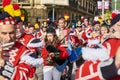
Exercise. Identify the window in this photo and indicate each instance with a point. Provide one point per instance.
(25, 1)
(87, 4)
(0, 1)
(82, 3)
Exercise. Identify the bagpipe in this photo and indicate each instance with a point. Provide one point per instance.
(52, 49)
(59, 64)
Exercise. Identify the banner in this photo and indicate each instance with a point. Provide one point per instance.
(56, 2)
(106, 4)
(99, 4)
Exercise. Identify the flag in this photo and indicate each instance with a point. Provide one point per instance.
(106, 4)
(99, 4)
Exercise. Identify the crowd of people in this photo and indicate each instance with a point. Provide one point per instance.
(93, 46)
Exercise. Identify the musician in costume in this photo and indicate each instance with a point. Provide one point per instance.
(17, 61)
(27, 38)
(102, 60)
(53, 54)
(32, 40)
(43, 31)
(62, 31)
(104, 29)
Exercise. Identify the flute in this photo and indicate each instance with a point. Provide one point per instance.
(7, 44)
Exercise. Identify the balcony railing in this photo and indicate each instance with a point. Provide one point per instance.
(24, 1)
(73, 3)
(90, 11)
(82, 8)
(19, 1)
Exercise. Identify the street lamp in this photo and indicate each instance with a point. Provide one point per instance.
(53, 11)
(103, 5)
(115, 4)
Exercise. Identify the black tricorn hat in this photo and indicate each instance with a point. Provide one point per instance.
(51, 30)
(96, 22)
(115, 19)
(30, 26)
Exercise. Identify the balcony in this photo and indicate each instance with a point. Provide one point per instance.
(90, 11)
(82, 8)
(24, 1)
(73, 3)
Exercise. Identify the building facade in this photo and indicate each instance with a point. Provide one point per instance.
(75, 9)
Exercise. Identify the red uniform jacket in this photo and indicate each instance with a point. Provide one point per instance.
(90, 70)
(23, 70)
